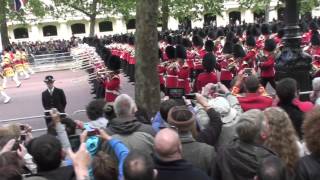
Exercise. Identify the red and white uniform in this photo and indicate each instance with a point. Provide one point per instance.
(205, 78)
(112, 86)
(267, 66)
(183, 77)
(226, 74)
(171, 80)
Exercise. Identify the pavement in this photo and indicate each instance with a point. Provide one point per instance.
(26, 100)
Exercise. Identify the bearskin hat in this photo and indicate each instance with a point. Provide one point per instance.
(208, 62)
(197, 41)
(170, 52)
(274, 28)
(315, 41)
(270, 45)
(255, 31)
(114, 63)
(265, 29)
(238, 51)
(186, 43)
(170, 40)
(280, 33)
(230, 37)
(314, 25)
(227, 48)
(181, 52)
(250, 41)
(178, 39)
(106, 56)
(220, 32)
(131, 40)
(209, 46)
(211, 34)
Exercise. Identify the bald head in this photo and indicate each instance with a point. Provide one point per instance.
(167, 145)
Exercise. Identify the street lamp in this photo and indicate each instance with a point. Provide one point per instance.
(293, 62)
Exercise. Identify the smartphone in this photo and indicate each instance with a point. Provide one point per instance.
(74, 142)
(23, 137)
(248, 71)
(190, 96)
(175, 93)
(93, 133)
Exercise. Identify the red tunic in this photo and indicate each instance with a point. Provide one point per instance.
(204, 79)
(250, 58)
(267, 67)
(172, 77)
(254, 101)
(161, 70)
(226, 75)
(183, 78)
(112, 87)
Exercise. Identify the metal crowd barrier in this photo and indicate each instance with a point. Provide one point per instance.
(51, 58)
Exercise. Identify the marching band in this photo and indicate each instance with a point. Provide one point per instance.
(14, 63)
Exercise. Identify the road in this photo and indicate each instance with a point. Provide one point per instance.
(26, 100)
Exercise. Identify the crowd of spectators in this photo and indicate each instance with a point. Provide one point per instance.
(216, 136)
(48, 47)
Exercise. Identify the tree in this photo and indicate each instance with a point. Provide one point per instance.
(192, 9)
(34, 7)
(89, 8)
(264, 5)
(147, 87)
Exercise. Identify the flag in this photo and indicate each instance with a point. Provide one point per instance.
(19, 4)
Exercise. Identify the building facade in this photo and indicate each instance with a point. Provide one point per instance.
(50, 28)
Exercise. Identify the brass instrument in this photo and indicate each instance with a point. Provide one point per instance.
(315, 70)
(261, 56)
(232, 64)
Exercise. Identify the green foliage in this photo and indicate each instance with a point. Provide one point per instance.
(308, 5)
(34, 7)
(260, 5)
(192, 9)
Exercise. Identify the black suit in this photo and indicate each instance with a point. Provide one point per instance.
(56, 100)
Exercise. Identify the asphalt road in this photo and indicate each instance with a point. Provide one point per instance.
(26, 100)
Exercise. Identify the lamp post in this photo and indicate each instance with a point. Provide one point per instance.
(292, 61)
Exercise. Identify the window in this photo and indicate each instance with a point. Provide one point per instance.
(105, 26)
(234, 16)
(20, 33)
(78, 28)
(209, 19)
(49, 30)
(131, 24)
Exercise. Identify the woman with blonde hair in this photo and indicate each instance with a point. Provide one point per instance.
(281, 137)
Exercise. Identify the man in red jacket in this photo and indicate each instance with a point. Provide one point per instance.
(254, 97)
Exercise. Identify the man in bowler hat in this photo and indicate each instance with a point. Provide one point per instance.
(52, 98)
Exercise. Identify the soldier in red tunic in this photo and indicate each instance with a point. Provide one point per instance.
(208, 76)
(266, 64)
(249, 61)
(238, 55)
(183, 69)
(227, 64)
(171, 80)
(112, 79)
